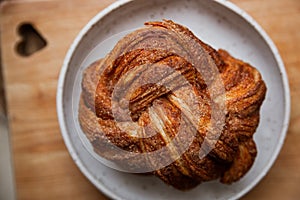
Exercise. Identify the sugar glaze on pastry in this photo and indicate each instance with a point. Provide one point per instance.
(159, 112)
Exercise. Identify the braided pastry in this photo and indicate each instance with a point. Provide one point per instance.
(165, 103)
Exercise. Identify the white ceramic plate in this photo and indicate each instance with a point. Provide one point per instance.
(218, 23)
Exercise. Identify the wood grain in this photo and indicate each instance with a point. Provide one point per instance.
(43, 167)
(281, 20)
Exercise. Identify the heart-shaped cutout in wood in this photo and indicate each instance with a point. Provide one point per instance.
(31, 40)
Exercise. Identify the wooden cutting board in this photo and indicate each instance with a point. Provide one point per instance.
(43, 167)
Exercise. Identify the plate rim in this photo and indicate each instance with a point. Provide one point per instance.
(115, 5)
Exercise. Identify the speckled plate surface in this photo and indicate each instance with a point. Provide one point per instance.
(218, 23)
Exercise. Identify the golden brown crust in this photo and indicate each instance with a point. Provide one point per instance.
(233, 153)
